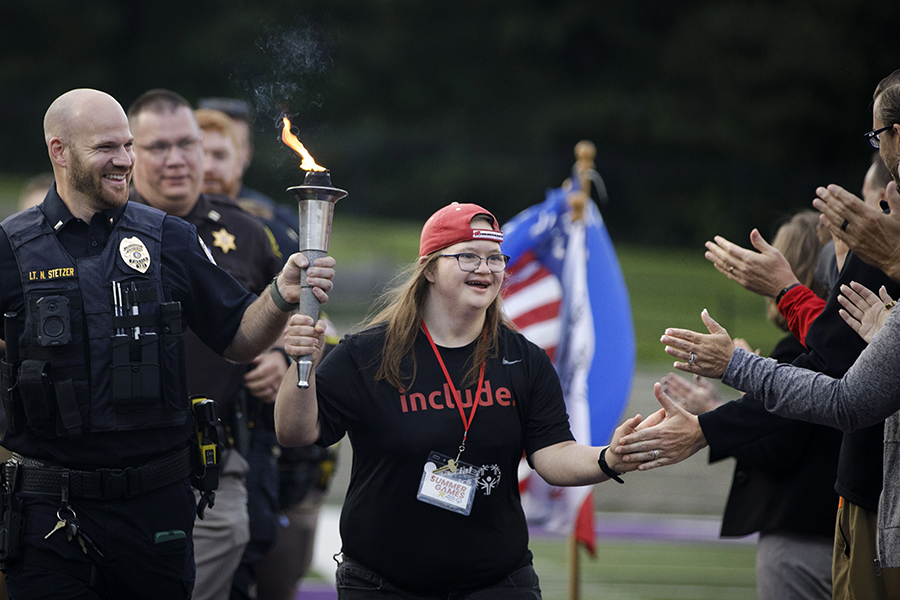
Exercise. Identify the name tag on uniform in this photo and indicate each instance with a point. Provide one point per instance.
(448, 484)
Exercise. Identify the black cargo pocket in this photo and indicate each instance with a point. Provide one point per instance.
(135, 369)
(12, 400)
(174, 376)
(40, 410)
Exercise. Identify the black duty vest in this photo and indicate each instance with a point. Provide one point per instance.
(100, 349)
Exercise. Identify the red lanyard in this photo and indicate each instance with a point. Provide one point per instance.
(462, 413)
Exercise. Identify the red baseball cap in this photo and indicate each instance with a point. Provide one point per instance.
(453, 224)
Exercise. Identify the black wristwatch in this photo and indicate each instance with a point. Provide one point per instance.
(606, 468)
(783, 292)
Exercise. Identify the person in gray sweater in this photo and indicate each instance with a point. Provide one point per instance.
(867, 394)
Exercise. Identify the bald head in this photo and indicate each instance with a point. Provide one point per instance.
(73, 111)
(90, 146)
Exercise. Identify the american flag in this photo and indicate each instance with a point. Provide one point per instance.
(532, 299)
(564, 287)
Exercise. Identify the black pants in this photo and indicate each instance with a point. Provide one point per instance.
(145, 555)
(355, 582)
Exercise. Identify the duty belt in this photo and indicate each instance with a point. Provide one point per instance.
(101, 484)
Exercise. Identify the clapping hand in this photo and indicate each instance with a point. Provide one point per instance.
(870, 232)
(863, 311)
(765, 272)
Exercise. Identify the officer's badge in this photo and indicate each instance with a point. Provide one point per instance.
(223, 240)
(135, 254)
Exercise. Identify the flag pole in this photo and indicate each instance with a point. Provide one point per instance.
(574, 568)
(585, 152)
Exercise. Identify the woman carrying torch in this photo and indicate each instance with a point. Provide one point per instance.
(440, 398)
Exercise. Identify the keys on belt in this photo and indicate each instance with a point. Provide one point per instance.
(68, 522)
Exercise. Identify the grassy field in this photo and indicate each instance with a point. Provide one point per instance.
(649, 571)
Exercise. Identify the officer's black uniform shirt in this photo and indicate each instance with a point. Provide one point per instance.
(80, 240)
(212, 302)
(238, 243)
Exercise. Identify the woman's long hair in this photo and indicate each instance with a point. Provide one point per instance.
(402, 314)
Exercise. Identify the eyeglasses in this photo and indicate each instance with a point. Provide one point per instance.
(872, 136)
(470, 262)
(161, 150)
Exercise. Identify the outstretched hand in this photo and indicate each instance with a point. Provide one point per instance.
(765, 272)
(631, 425)
(697, 396)
(863, 311)
(699, 353)
(676, 437)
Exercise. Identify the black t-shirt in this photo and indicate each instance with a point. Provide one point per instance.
(415, 545)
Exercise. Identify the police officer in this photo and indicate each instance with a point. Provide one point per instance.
(97, 501)
(170, 177)
(284, 486)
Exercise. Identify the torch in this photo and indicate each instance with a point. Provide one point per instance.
(316, 198)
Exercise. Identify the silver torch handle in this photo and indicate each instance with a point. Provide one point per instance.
(309, 305)
(315, 205)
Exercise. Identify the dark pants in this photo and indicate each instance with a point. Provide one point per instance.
(262, 505)
(136, 563)
(355, 582)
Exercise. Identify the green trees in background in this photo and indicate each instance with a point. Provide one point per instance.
(709, 116)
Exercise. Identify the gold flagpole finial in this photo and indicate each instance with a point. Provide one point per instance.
(585, 152)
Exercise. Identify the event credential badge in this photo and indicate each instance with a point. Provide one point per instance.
(135, 254)
(448, 484)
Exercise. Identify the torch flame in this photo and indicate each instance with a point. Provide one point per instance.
(294, 144)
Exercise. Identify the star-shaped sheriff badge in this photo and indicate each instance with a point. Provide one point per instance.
(224, 240)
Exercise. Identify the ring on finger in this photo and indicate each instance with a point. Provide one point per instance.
(656, 454)
(692, 359)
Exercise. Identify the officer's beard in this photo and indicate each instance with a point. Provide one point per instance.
(90, 184)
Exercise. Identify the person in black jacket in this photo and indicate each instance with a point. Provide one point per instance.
(783, 484)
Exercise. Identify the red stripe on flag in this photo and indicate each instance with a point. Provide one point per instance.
(540, 314)
(584, 525)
